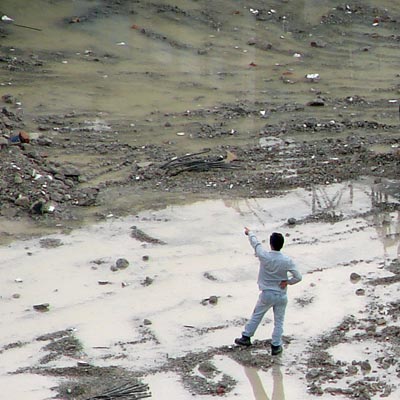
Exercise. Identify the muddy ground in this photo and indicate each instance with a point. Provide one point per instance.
(297, 144)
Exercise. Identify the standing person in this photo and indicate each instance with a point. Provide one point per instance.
(276, 272)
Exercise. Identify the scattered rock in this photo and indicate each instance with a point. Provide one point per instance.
(148, 281)
(49, 243)
(354, 277)
(318, 43)
(365, 366)
(210, 300)
(122, 263)
(292, 221)
(138, 234)
(43, 307)
(209, 276)
(316, 103)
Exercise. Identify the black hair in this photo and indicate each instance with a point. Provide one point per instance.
(276, 241)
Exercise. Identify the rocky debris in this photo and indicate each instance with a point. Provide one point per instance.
(122, 263)
(35, 184)
(138, 234)
(386, 280)
(147, 281)
(362, 380)
(213, 300)
(354, 277)
(316, 103)
(49, 243)
(210, 277)
(43, 307)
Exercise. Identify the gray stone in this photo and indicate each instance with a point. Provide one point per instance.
(43, 307)
(3, 142)
(122, 263)
(17, 179)
(22, 201)
(354, 277)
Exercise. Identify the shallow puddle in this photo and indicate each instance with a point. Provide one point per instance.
(206, 254)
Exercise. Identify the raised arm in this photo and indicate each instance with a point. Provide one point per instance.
(253, 240)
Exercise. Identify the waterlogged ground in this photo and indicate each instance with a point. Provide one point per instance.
(171, 315)
(292, 110)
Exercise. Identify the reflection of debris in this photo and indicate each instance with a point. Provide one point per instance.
(191, 162)
(127, 392)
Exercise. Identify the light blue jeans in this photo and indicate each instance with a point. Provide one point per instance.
(266, 300)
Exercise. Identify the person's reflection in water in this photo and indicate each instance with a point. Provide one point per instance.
(258, 388)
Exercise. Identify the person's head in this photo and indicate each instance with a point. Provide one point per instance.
(276, 241)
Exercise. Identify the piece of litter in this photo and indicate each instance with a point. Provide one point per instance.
(6, 19)
(121, 44)
(313, 77)
(180, 133)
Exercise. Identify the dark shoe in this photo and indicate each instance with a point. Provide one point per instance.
(243, 341)
(275, 350)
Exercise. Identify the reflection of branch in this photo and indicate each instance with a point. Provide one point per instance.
(254, 212)
(323, 201)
